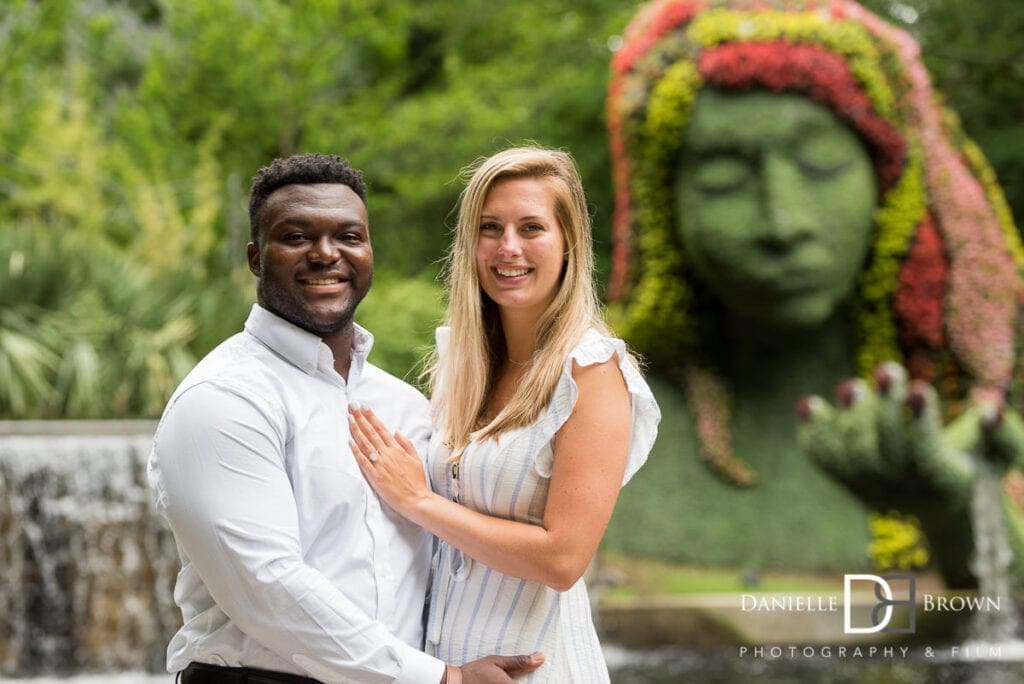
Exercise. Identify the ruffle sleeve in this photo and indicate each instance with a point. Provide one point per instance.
(645, 414)
(442, 336)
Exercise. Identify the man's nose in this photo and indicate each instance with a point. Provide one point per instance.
(789, 216)
(323, 250)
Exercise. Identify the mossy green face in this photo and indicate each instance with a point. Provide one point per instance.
(776, 199)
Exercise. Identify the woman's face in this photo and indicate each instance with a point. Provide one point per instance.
(520, 249)
(776, 199)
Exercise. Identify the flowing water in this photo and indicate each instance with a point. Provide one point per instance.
(991, 565)
(86, 566)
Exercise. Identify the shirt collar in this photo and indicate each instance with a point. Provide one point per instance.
(302, 348)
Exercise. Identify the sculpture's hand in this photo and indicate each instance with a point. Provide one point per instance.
(888, 446)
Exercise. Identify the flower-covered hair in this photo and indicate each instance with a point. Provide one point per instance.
(941, 287)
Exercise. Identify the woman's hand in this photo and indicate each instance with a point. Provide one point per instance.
(389, 461)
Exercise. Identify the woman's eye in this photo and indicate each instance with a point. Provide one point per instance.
(489, 228)
(534, 228)
(721, 174)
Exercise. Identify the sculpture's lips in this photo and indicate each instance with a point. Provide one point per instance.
(800, 272)
(805, 284)
(782, 285)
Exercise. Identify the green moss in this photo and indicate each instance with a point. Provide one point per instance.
(675, 509)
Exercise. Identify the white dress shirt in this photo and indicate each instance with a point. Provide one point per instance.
(289, 560)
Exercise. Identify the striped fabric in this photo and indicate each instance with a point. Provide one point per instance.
(476, 610)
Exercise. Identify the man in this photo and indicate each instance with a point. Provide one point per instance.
(291, 567)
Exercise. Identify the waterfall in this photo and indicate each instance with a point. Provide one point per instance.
(87, 567)
(991, 566)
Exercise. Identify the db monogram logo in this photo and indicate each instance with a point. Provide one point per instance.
(883, 611)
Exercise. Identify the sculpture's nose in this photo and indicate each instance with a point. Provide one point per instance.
(790, 218)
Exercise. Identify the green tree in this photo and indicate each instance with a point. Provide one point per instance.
(975, 55)
(130, 132)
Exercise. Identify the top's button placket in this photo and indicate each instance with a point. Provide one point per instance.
(455, 482)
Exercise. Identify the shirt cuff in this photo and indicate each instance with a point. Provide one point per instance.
(420, 668)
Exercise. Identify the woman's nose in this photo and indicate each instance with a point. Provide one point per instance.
(510, 243)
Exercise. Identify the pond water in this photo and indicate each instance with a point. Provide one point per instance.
(727, 666)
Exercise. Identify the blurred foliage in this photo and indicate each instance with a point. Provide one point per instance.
(129, 132)
(402, 313)
(898, 542)
(975, 55)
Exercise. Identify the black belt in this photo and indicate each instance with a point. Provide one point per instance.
(204, 673)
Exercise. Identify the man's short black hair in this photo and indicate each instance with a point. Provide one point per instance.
(303, 169)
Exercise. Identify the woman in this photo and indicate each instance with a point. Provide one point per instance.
(540, 417)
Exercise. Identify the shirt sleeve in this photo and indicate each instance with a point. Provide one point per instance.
(227, 496)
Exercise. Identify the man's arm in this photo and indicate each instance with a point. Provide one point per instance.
(230, 505)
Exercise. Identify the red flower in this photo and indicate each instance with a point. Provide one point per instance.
(918, 301)
(655, 21)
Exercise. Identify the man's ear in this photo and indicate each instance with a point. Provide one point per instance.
(253, 256)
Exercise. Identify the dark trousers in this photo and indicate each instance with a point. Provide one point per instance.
(204, 673)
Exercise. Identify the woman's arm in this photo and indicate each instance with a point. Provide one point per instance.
(590, 452)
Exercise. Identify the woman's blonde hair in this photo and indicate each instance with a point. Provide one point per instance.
(462, 379)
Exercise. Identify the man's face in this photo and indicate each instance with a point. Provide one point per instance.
(776, 200)
(314, 261)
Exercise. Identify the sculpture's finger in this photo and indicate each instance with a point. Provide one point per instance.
(857, 423)
(817, 436)
(891, 383)
(940, 456)
(1003, 433)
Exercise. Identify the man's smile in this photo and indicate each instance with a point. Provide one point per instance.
(325, 284)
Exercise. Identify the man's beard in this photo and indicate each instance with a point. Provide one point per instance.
(281, 302)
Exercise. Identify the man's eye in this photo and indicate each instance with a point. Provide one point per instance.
(352, 238)
(293, 237)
